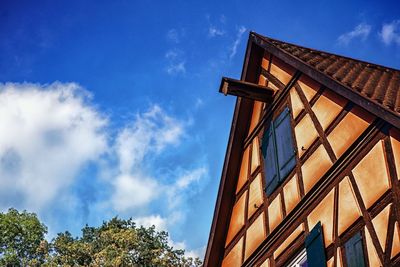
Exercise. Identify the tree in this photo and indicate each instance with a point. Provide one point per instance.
(116, 242)
(119, 243)
(22, 239)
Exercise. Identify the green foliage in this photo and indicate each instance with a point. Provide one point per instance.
(115, 243)
(22, 239)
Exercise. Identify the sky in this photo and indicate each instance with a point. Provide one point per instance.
(111, 108)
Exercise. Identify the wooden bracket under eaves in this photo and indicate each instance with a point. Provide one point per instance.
(247, 90)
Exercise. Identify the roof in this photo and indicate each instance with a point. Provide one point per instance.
(378, 83)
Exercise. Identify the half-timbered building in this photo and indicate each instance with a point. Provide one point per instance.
(312, 169)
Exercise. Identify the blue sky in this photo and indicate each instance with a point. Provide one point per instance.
(111, 107)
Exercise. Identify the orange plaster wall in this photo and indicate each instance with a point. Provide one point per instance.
(265, 263)
(371, 175)
(275, 215)
(324, 213)
(372, 254)
(348, 130)
(306, 134)
(395, 141)
(234, 257)
(396, 241)
(244, 170)
(265, 62)
(237, 218)
(297, 105)
(348, 209)
(255, 195)
(314, 167)
(381, 223)
(256, 115)
(255, 234)
(291, 194)
(327, 107)
(255, 155)
(287, 241)
(281, 70)
(308, 86)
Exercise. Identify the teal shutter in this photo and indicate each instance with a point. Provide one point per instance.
(315, 247)
(355, 252)
(284, 144)
(269, 155)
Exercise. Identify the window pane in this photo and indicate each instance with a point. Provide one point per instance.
(299, 261)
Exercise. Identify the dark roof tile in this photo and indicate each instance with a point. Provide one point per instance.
(378, 83)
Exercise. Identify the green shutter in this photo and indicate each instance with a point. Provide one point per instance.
(284, 144)
(315, 247)
(270, 166)
(354, 251)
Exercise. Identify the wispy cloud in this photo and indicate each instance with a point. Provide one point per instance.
(135, 184)
(390, 33)
(236, 43)
(175, 62)
(159, 222)
(214, 32)
(175, 35)
(361, 31)
(216, 26)
(176, 68)
(148, 135)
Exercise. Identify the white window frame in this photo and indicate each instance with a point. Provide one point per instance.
(298, 259)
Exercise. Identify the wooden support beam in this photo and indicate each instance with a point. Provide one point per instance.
(247, 90)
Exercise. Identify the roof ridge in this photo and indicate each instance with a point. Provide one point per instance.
(369, 64)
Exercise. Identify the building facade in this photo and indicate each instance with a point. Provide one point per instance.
(312, 170)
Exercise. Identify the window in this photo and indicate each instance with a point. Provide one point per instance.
(354, 251)
(278, 151)
(299, 261)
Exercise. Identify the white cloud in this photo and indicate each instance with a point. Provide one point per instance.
(361, 31)
(148, 135)
(135, 187)
(186, 184)
(236, 43)
(214, 31)
(176, 68)
(188, 178)
(133, 191)
(390, 32)
(175, 62)
(49, 133)
(171, 54)
(173, 36)
(159, 222)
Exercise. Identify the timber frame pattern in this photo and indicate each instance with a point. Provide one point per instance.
(380, 132)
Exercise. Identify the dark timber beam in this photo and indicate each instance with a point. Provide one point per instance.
(247, 90)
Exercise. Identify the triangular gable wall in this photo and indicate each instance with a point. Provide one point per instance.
(257, 45)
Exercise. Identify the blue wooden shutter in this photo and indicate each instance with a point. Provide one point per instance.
(269, 155)
(354, 251)
(284, 144)
(315, 247)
